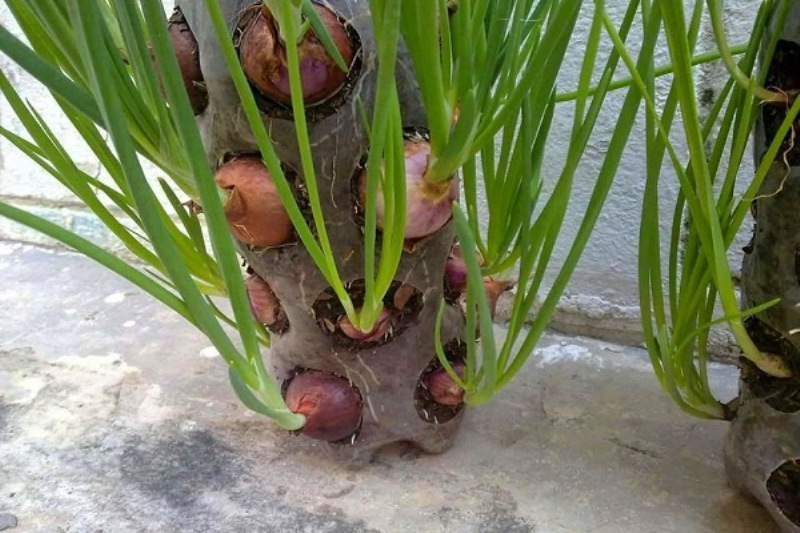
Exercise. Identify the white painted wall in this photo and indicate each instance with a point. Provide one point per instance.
(602, 297)
(24, 183)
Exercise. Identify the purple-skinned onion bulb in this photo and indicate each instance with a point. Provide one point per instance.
(263, 302)
(443, 389)
(262, 53)
(377, 333)
(187, 53)
(331, 405)
(455, 272)
(429, 206)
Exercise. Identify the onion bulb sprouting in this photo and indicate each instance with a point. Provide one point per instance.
(262, 53)
(187, 53)
(331, 405)
(429, 206)
(381, 328)
(494, 289)
(455, 273)
(263, 302)
(443, 390)
(255, 213)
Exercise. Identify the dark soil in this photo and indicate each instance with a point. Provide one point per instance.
(316, 111)
(428, 409)
(784, 489)
(404, 302)
(797, 263)
(784, 75)
(452, 295)
(281, 324)
(781, 394)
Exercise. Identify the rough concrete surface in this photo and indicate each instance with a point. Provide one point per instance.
(115, 416)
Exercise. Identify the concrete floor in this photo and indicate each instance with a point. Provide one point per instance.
(116, 416)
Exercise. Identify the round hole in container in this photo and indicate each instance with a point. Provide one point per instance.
(326, 88)
(781, 394)
(402, 305)
(783, 487)
(265, 305)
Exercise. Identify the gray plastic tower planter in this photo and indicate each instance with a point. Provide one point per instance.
(762, 452)
(387, 374)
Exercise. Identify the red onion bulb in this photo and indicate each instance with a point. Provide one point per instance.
(455, 272)
(263, 57)
(443, 389)
(494, 289)
(187, 53)
(331, 405)
(263, 302)
(255, 213)
(429, 206)
(380, 329)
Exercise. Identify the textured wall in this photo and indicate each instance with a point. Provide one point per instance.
(24, 183)
(602, 298)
